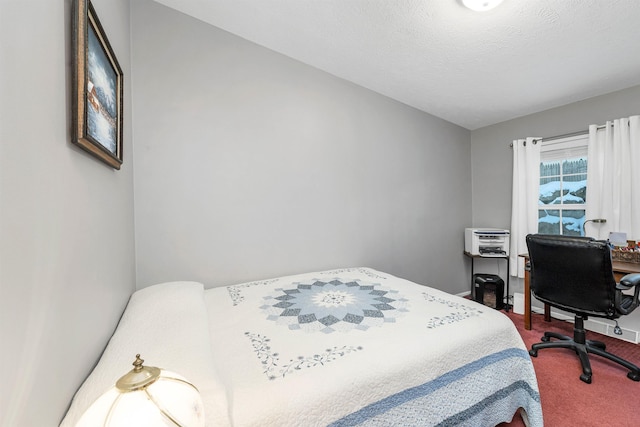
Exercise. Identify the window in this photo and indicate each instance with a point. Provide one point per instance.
(563, 186)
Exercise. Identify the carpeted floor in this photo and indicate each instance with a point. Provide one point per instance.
(611, 399)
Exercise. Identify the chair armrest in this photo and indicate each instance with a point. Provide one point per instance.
(625, 304)
(629, 281)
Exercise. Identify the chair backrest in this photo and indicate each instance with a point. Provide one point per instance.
(573, 273)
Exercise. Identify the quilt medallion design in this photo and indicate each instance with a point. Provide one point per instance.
(334, 305)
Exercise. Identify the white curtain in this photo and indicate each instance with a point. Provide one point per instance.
(613, 180)
(524, 199)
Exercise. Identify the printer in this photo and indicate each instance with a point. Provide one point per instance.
(486, 242)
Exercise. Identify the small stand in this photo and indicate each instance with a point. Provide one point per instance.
(507, 305)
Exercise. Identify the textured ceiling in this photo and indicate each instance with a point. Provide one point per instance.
(470, 68)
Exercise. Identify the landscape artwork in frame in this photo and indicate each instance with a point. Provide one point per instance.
(97, 88)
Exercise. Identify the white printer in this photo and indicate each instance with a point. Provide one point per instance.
(488, 242)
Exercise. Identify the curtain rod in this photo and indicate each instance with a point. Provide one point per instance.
(566, 135)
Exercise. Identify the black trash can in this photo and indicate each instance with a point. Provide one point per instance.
(489, 290)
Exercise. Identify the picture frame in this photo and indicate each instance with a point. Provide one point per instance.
(97, 88)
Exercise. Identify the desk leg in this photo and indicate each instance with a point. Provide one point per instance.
(527, 301)
(507, 306)
(473, 287)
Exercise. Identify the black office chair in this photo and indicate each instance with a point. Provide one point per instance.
(575, 274)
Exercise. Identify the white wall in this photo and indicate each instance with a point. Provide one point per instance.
(251, 165)
(66, 220)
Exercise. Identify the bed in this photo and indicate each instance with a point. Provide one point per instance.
(350, 346)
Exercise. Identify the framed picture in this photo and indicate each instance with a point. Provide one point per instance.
(97, 97)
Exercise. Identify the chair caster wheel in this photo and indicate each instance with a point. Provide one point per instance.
(634, 376)
(533, 353)
(586, 378)
(545, 339)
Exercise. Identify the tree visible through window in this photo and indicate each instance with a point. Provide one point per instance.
(563, 187)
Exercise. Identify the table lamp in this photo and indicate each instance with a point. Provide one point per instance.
(147, 396)
(595, 221)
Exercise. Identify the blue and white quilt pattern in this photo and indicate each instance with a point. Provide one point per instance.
(335, 305)
(360, 347)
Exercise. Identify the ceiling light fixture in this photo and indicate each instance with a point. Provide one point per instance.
(481, 5)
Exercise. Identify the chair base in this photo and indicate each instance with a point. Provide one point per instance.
(583, 347)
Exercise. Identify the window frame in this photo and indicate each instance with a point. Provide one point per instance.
(561, 149)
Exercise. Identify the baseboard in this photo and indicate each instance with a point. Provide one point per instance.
(518, 303)
(596, 325)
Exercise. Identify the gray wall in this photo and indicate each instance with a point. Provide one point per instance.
(251, 165)
(67, 262)
(248, 165)
(491, 157)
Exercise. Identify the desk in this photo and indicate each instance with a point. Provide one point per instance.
(620, 268)
(507, 306)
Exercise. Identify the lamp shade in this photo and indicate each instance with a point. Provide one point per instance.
(145, 397)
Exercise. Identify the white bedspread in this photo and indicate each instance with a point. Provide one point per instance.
(357, 346)
(344, 347)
